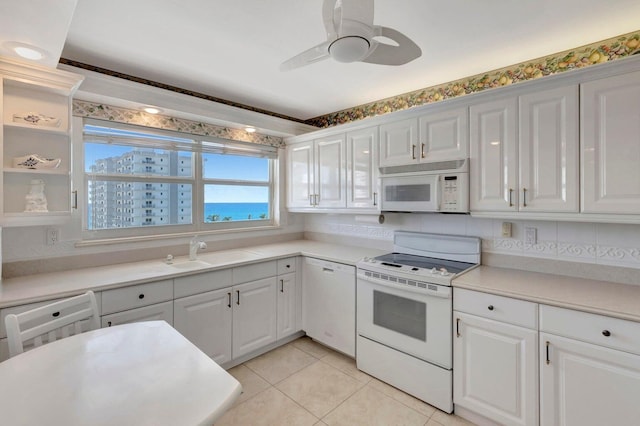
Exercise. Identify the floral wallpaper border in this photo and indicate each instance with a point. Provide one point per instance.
(130, 116)
(596, 53)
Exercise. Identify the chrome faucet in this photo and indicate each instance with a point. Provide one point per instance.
(194, 245)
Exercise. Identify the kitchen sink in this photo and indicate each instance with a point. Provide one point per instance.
(189, 264)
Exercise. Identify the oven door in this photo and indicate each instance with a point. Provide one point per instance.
(412, 193)
(414, 321)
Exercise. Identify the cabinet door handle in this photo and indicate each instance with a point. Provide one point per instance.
(524, 197)
(238, 294)
(413, 152)
(375, 198)
(310, 199)
(75, 199)
(547, 352)
(315, 199)
(510, 194)
(229, 301)
(108, 323)
(422, 155)
(457, 327)
(281, 286)
(606, 333)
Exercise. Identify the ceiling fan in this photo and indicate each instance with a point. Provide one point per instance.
(352, 37)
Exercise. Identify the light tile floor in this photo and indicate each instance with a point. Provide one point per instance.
(305, 383)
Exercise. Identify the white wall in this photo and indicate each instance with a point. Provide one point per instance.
(601, 243)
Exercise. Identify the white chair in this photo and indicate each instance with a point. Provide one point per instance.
(58, 319)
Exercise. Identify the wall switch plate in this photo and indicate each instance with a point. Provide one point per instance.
(530, 236)
(506, 229)
(53, 236)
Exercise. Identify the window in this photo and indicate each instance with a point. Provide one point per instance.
(203, 185)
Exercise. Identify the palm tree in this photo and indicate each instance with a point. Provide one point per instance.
(226, 218)
(213, 218)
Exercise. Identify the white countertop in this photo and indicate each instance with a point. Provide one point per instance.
(33, 288)
(130, 374)
(600, 297)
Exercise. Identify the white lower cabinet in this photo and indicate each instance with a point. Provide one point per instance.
(205, 319)
(287, 316)
(254, 315)
(233, 320)
(590, 369)
(495, 367)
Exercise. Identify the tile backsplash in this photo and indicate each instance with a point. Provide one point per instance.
(593, 243)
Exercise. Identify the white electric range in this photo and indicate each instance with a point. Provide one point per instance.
(404, 313)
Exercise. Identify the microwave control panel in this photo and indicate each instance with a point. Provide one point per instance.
(453, 199)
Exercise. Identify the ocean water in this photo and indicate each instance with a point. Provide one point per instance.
(236, 211)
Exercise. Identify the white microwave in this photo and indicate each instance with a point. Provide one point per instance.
(426, 187)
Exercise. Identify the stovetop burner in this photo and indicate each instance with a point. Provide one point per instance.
(399, 259)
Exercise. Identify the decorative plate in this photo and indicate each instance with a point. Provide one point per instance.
(36, 119)
(35, 161)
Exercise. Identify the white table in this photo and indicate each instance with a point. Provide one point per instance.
(133, 374)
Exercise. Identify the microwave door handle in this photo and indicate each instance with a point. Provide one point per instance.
(436, 191)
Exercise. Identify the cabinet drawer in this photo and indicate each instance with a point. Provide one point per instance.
(201, 283)
(243, 274)
(23, 308)
(159, 311)
(499, 308)
(135, 296)
(601, 330)
(286, 265)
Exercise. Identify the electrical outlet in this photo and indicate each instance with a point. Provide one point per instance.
(530, 236)
(506, 229)
(53, 236)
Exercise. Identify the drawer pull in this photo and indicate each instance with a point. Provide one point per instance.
(55, 314)
(606, 333)
(490, 307)
(141, 296)
(457, 327)
(288, 266)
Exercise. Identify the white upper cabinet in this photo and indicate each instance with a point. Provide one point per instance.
(317, 175)
(493, 153)
(610, 128)
(437, 136)
(548, 123)
(399, 143)
(362, 169)
(330, 172)
(300, 179)
(444, 135)
(534, 169)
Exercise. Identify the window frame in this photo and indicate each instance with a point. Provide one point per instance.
(201, 145)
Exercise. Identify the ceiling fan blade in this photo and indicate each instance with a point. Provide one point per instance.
(358, 10)
(309, 56)
(386, 54)
(327, 18)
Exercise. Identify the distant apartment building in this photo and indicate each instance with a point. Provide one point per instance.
(131, 203)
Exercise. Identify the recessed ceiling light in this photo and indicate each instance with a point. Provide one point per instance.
(151, 110)
(26, 51)
(250, 129)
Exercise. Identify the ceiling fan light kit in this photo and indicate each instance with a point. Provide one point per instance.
(352, 37)
(349, 49)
